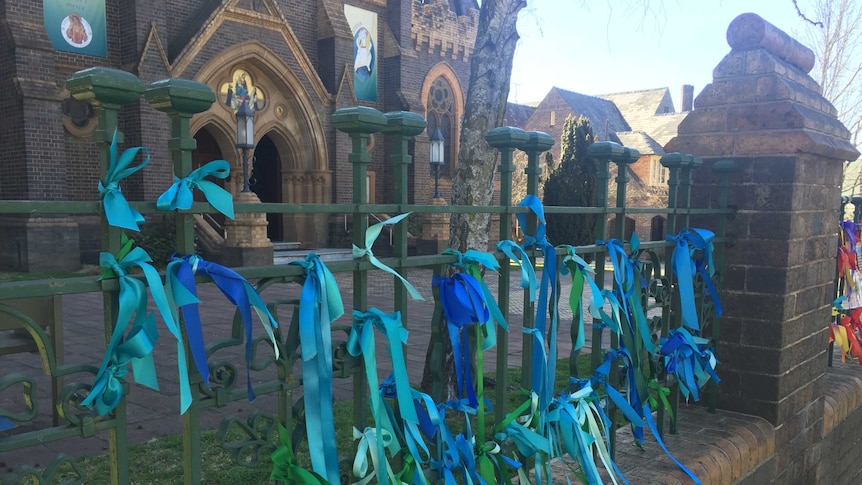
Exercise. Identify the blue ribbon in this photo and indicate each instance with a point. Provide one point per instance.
(181, 273)
(320, 304)
(626, 276)
(543, 372)
(117, 209)
(471, 262)
(137, 345)
(370, 237)
(518, 255)
(463, 304)
(179, 194)
(685, 265)
(688, 359)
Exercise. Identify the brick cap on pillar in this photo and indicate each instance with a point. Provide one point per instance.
(762, 102)
(751, 31)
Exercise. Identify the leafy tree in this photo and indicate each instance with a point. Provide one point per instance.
(573, 183)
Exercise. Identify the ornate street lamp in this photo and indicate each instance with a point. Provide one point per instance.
(437, 159)
(245, 138)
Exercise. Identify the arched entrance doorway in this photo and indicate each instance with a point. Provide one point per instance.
(290, 163)
(265, 181)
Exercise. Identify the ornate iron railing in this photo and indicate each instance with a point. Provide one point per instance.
(107, 90)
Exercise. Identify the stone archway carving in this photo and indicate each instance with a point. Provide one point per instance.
(292, 122)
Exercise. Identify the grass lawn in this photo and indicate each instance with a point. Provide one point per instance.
(160, 460)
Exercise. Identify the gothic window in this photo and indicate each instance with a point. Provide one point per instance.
(441, 114)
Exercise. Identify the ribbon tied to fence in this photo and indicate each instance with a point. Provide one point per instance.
(179, 195)
(685, 264)
(117, 209)
(285, 467)
(181, 273)
(688, 359)
(544, 362)
(581, 272)
(320, 304)
(528, 273)
(136, 347)
(371, 235)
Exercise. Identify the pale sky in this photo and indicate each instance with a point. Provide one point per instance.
(597, 46)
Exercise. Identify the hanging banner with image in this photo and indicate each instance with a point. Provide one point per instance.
(363, 25)
(77, 26)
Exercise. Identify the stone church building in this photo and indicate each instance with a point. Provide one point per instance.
(299, 60)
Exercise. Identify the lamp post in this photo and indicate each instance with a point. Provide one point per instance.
(437, 159)
(245, 138)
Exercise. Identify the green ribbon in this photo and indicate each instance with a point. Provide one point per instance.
(660, 392)
(179, 195)
(117, 209)
(580, 271)
(133, 301)
(285, 467)
(370, 237)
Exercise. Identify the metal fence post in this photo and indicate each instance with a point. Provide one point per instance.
(673, 162)
(537, 143)
(181, 99)
(402, 125)
(107, 90)
(602, 152)
(359, 122)
(505, 139)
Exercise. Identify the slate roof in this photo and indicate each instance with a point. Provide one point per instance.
(517, 114)
(650, 111)
(604, 116)
(640, 141)
(663, 128)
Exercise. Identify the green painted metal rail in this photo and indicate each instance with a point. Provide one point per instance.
(108, 90)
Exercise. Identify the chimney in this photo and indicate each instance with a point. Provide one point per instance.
(687, 98)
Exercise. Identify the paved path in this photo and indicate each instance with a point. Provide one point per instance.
(154, 414)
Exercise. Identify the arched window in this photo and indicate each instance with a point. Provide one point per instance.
(441, 114)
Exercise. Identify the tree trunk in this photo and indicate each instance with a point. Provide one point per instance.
(485, 106)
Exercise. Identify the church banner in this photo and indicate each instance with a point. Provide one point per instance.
(77, 26)
(363, 25)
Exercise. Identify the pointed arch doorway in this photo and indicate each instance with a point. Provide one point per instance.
(265, 181)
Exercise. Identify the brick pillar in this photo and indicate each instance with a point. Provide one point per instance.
(765, 112)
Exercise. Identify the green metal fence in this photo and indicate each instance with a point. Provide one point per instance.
(108, 90)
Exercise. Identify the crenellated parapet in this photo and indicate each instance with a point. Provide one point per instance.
(436, 28)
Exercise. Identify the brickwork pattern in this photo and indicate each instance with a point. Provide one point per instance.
(764, 112)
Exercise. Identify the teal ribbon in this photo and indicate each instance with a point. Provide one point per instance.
(371, 443)
(583, 430)
(370, 237)
(581, 271)
(528, 273)
(320, 304)
(134, 348)
(117, 209)
(361, 342)
(688, 241)
(179, 195)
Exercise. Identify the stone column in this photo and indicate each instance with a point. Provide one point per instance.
(766, 113)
